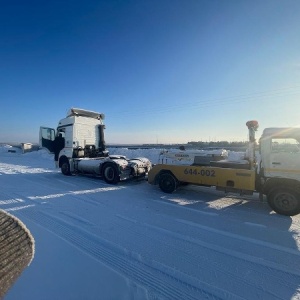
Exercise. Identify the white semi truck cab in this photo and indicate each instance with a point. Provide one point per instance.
(78, 145)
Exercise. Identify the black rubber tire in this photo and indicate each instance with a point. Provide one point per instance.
(167, 183)
(111, 174)
(284, 201)
(65, 168)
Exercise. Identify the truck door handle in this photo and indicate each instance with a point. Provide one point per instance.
(276, 163)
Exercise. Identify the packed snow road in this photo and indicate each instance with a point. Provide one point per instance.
(131, 241)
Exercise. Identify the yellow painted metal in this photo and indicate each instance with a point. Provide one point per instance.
(204, 175)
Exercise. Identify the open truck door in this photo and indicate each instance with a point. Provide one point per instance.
(46, 139)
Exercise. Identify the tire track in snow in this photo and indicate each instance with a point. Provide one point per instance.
(200, 266)
(242, 238)
(270, 274)
(253, 259)
(159, 282)
(144, 241)
(157, 228)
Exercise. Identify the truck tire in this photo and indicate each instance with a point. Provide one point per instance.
(65, 167)
(111, 173)
(284, 201)
(167, 183)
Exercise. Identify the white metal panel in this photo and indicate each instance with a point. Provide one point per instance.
(86, 131)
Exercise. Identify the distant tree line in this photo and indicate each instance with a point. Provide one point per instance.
(201, 145)
(219, 144)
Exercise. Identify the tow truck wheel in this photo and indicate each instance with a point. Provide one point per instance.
(111, 173)
(65, 167)
(284, 201)
(167, 183)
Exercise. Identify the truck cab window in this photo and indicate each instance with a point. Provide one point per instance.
(61, 133)
(48, 134)
(285, 145)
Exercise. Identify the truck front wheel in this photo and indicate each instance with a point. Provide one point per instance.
(284, 201)
(65, 167)
(167, 183)
(111, 174)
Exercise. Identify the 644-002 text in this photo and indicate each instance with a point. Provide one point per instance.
(208, 173)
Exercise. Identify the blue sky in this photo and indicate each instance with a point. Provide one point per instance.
(165, 71)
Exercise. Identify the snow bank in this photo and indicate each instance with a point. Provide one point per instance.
(152, 154)
(9, 149)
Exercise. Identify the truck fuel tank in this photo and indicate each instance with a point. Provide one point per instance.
(90, 166)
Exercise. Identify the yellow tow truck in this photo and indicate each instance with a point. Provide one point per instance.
(273, 171)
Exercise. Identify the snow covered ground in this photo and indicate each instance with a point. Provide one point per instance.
(131, 241)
